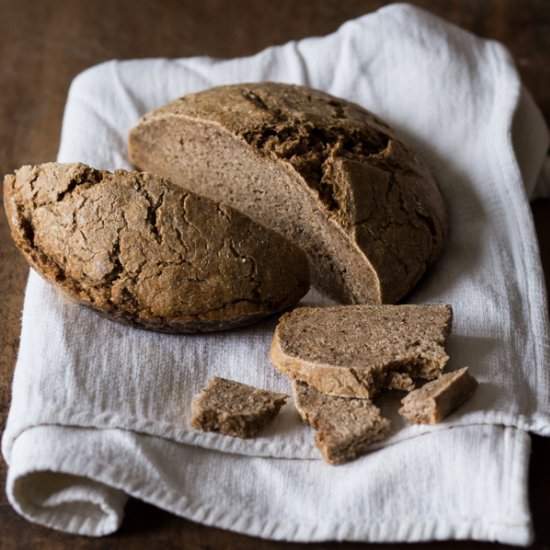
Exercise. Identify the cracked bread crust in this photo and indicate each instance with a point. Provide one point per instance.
(141, 250)
(234, 408)
(325, 172)
(346, 427)
(358, 351)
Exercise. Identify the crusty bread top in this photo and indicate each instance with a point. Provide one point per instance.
(142, 250)
(368, 181)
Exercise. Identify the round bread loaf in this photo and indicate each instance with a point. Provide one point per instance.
(139, 249)
(326, 173)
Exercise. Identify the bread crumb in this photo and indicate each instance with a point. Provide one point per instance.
(233, 408)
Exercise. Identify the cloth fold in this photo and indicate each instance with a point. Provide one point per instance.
(100, 410)
(407, 492)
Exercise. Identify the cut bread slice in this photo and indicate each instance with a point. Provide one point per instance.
(326, 173)
(435, 400)
(233, 408)
(357, 351)
(346, 427)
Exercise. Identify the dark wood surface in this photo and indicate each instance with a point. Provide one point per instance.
(45, 43)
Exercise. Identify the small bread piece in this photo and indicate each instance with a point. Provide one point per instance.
(346, 427)
(357, 351)
(142, 250)
(233, 408)
(330, 176)
(432, 402)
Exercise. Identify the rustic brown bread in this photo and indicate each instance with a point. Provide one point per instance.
(140, 249)
(233, 408)
(357, 351)
(346, 427)
(432, 402)
(326, 173)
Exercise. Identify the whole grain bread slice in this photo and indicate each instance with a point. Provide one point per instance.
(142, 250)
(329, 175)
(435, 400)
(234, 408)
(346, 427)
(357, 351)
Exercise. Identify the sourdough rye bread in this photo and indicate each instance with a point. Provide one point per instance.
(323, 171)
(359, 350)
(234, 408)
(140, 249)
(435, 400)
(346, 427)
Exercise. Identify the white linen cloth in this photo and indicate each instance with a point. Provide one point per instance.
(100, 410)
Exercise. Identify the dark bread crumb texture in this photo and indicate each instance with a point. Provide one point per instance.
(435, 400)
(324, 171)
(340, 358)
(346, 427)
(358, 351)
(235, 409)
(141, 250)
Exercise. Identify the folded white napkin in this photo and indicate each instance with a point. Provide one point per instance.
(100, 410)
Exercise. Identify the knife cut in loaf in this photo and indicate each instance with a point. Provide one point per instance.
(140, 249)
(329, 175)
(360, 350)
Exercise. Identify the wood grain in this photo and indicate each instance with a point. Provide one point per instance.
(45, 43)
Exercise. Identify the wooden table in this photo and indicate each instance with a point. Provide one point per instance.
(45, 43)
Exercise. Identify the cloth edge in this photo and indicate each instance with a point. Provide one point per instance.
(516, 445)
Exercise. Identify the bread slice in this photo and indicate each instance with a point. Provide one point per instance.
(326, 173)
(140, 249)
(435, 400)
(233, 408)
(346, 427)
(356, 351)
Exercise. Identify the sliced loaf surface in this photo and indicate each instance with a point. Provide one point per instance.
(357, 351)
(234, 408)
(140, 249)
(435, 400)
(346, 427)
(323, 171)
